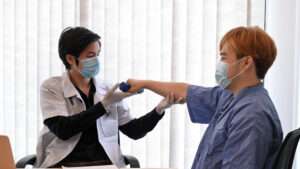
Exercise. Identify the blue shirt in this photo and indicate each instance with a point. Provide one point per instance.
(244, 130)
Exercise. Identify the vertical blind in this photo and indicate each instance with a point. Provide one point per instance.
(169, 40)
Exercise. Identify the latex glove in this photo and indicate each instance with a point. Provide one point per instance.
(168, 102)
(113, 96)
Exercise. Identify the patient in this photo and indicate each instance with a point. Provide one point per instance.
(244, 129)
(82, 116)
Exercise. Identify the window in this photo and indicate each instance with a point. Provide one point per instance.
(171, 40)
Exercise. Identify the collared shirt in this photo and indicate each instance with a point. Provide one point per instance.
(244, 130)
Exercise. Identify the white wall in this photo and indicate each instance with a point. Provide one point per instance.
(282, 81)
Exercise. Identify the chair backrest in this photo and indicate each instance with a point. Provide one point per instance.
(285, 156)
(6, 157)
(30, 160)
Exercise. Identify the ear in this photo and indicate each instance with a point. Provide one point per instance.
(70, 59)
(249, 61)
(250, 64)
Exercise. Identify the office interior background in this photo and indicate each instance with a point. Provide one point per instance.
(169, 40)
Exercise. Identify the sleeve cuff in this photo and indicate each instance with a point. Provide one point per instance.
(157, 115)
(99, 108)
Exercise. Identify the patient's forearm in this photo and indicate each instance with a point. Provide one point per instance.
(163, 88)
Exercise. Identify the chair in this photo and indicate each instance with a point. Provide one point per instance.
(285, 156)
(30, 160)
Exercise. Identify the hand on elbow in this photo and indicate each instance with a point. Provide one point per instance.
(168, 102)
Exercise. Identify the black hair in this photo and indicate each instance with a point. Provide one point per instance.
(73, 40)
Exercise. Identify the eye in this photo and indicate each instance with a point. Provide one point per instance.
(91, 56)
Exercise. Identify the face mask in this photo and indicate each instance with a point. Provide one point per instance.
(221, 74)
(90, 67)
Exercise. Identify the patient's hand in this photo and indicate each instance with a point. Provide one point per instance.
(136, 85)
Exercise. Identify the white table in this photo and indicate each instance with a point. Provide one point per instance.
(120, 168)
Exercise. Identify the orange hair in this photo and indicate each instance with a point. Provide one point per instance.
(254, 42)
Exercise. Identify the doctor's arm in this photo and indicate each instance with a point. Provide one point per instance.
(56, 118)
(138, 128)
(65, 127)
(161, 88)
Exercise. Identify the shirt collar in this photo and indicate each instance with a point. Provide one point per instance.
(250, 89)
(69, 88)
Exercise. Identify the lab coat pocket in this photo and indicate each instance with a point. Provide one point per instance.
(109, 125)
(218, 142)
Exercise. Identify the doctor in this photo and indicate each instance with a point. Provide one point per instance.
(82, 116)
(244, 130)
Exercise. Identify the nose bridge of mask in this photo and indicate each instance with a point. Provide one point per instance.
(89, 61)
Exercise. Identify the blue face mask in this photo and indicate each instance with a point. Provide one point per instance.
(90, 67)
(221, 74)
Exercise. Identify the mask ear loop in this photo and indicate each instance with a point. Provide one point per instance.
(240, 71)
(244, 58)
(252, 57)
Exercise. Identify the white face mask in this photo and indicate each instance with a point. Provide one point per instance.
(221, 74)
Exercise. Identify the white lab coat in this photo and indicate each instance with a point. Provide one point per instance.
(59, 97)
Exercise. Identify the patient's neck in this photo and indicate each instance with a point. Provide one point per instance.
(244, 82)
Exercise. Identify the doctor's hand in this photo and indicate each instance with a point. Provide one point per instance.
(113, 96)
(168, 102)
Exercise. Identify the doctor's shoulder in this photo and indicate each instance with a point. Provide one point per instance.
(52, 84)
